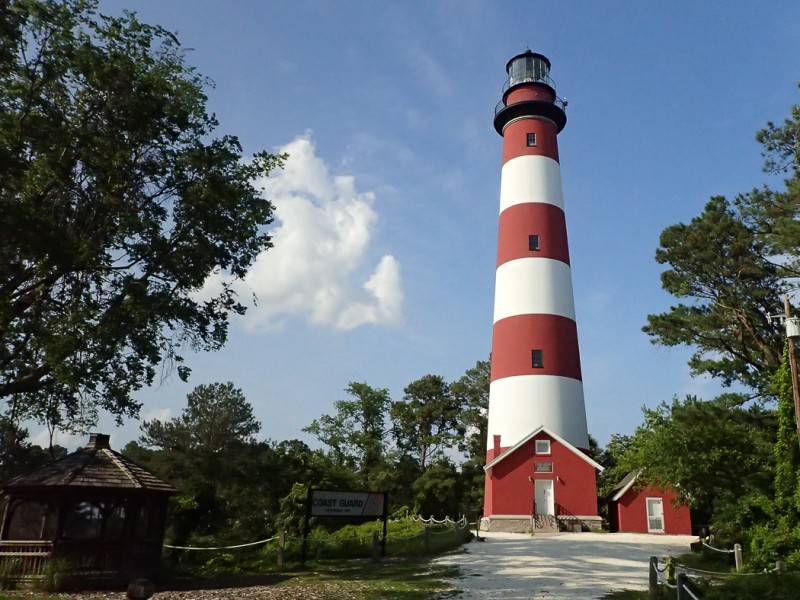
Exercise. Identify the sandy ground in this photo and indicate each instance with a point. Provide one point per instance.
(561, 566)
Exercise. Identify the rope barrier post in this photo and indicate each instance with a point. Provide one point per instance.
(737, 555)
(682, 577)
(281, 549)
(780, 567)
(653, 587)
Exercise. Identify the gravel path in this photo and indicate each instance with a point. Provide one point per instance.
(562, 566)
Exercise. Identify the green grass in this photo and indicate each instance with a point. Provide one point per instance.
(627, 595)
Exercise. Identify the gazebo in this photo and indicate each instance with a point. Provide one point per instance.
(95, 513)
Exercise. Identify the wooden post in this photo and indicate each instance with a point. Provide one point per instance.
(780, 567)
(682, 577)
(376, 547)
(737, 556)
(281, 549)
(793, 365)
(653, 588)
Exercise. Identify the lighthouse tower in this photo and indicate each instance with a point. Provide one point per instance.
(536, 469)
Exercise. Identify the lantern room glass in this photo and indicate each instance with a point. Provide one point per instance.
(528, 67)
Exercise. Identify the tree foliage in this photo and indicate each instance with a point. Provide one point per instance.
(471, 391)
(117, 204)
(712, 452)
(210, 454)
(425, 422)
(731, 266)
(357, 432)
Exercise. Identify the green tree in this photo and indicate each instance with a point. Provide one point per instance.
(720, 264)
(777, 537)
(612, 459)
(471, 391)
(732, 264)
(117, 203)
(357, 433)
(210, 454)
(425, 422)
(18, 455)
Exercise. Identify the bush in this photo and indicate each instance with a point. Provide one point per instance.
(755, 587)
(776, 541)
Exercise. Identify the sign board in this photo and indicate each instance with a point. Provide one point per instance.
(338, 503)
(331, 503)
(543, 467)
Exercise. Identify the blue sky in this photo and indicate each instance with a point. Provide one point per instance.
(385, 246)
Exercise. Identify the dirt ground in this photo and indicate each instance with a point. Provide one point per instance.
(562, 566)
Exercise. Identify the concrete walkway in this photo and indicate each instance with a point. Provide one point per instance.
(560, 566)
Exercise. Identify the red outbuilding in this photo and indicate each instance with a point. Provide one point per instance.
(541, 481)
(646, 509)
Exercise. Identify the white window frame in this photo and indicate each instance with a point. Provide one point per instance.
(543, 449)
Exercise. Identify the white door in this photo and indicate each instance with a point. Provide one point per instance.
(655, 515)
(543, 495)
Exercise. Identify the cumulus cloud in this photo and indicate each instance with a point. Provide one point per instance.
(319, 268)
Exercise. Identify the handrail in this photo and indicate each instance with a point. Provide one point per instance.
(559, 102)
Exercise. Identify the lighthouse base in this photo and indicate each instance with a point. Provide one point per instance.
(541, 523)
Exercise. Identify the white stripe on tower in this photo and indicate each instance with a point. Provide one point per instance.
(536, 373)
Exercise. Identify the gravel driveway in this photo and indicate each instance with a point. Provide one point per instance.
(560, 566)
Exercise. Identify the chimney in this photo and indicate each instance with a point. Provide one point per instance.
(496, 446)
(98, 441)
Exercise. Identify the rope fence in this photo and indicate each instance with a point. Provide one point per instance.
(666, 572)
(435, 535)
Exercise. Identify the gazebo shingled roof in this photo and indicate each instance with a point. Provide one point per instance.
(94, 466)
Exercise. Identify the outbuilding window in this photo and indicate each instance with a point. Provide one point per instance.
(542, 446)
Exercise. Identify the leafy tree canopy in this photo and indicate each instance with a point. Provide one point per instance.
(712, 452)
(731, 265)
(426, 420)
(117, 204)
(357, 432)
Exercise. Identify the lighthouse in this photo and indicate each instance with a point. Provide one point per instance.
(537, 471)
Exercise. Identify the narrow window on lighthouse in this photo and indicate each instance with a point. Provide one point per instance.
(531, 139)
(533, 243)
(536, 359)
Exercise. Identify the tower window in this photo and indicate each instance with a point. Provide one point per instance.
(533, 243)
(531, 139)
(536, 359)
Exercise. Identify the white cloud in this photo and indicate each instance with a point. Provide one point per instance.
(325, 227)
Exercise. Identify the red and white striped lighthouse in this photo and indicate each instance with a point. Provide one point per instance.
(536, 388)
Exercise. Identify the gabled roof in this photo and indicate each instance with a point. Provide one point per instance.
(623, 486)
(530, 436)
(95, 466)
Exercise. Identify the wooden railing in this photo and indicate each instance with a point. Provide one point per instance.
(27, 559)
